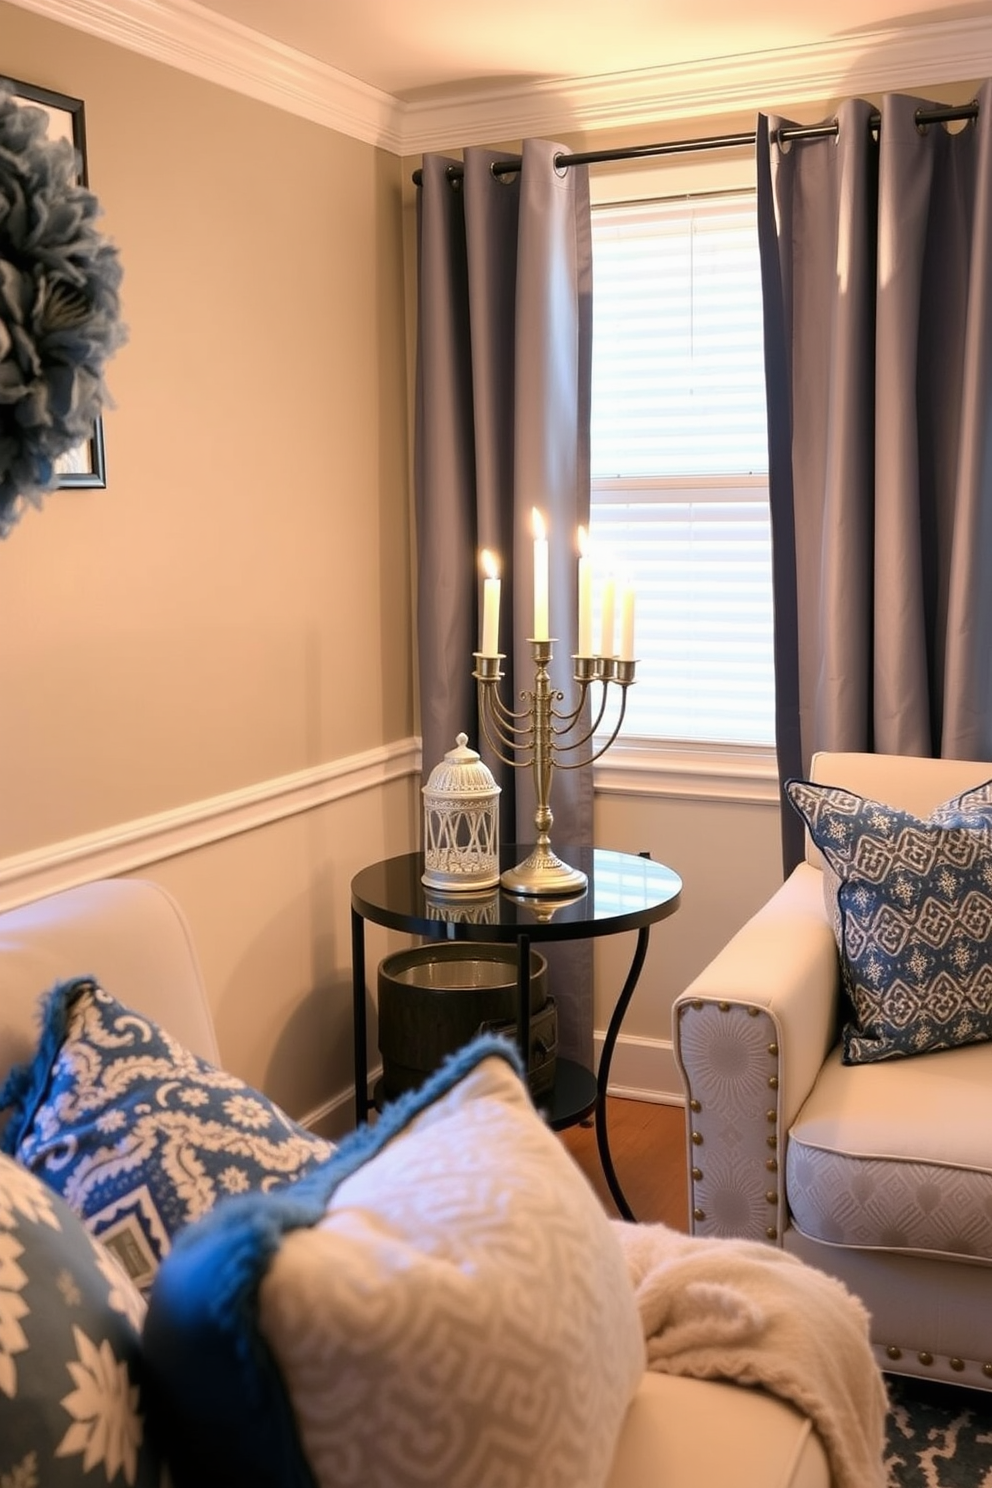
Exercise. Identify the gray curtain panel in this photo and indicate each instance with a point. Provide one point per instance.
(504, 358)
(877, 277)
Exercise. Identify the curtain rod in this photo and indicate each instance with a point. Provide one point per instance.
(717, 142)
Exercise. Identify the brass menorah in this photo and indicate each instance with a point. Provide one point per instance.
(536, 738)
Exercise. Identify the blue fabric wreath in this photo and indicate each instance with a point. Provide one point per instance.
(59, 307)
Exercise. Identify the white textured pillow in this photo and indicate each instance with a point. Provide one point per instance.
(459, 1311)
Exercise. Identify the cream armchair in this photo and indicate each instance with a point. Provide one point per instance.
(878, 1173)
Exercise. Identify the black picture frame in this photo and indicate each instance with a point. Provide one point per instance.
(86, 465)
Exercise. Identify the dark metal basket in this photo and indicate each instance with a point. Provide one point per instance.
(434, 999)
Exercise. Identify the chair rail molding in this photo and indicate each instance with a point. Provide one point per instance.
(132, 845)
(197, 40)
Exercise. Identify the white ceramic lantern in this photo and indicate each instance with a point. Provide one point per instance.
(461, 823)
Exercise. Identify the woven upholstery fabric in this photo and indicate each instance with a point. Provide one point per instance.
(138, 1135)
(886, 1205)
(913, 916)
(446, 1303)
(71, 1400)
(908, 1167)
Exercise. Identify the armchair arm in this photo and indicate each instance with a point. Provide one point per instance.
(750, 1035)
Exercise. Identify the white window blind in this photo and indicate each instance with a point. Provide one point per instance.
(680, 463)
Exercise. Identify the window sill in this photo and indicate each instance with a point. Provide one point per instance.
(696, 772)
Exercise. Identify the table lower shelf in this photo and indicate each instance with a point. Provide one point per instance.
(572, 1099)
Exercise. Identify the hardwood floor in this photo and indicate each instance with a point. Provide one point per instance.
(647, 1145)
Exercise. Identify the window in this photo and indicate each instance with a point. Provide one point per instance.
(680, 462)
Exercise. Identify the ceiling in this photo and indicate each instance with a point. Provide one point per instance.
(414, 50)
(417, 75)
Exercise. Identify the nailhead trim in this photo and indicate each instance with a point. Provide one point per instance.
(926, 1358)
(695, 1105)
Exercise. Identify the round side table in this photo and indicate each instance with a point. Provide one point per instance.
(625, 891)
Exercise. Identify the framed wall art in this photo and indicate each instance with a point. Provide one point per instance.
(84, 466)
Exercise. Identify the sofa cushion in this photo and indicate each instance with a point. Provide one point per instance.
(884, 1157)
(138, 1135)
(443, 1302)
(913, 917)
(71, 1406)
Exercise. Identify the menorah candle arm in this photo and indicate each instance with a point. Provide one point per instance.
(535, 739)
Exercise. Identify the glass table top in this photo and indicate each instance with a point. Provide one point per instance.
(625, 891)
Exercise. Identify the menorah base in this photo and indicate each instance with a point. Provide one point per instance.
(543, 872)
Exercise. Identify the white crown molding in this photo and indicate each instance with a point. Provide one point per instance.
(188, 36)
(194, 39)
(884, 61)
(132, 845)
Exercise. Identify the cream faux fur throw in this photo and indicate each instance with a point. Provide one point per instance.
(739, 1310)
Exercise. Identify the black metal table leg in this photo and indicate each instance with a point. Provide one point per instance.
(359, 1019)
(523, 999)
(603, 1075)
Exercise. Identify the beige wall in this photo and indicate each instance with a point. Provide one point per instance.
(235, 607)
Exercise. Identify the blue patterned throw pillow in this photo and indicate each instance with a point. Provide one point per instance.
(913, 917)
(72, 1394)
(138, 1135)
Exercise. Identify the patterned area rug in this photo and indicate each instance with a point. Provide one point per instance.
(939, 1436)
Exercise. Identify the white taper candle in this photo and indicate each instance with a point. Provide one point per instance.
(606, 616)
(584, 647)
(541, 632)
(490, 606)
(626, 652)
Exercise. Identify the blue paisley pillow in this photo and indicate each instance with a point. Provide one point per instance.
(72, 1387)
(911, 905)
(138, 1135)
